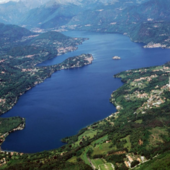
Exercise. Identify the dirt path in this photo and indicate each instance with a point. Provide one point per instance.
(113, 166)
(105, 166)
(91, 163)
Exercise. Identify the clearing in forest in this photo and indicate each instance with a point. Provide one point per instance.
(106, 166)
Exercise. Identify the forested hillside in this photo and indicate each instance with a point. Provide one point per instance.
(21, 50)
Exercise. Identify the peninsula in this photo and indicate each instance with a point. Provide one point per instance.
(20, 55)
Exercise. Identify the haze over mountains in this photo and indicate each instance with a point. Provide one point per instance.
(135, 18)
(139, 19)
(54, 13)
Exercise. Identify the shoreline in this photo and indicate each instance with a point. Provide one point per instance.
(148, 45)
(87, 58)
(5, 135)
(66, 50)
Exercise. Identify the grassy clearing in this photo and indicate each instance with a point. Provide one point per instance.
(90, 133)
(84, 156)
(97, 162)
(100, 140)
(73, 159)
(155, 137)
(107, 166)
(128, 144)
(101, 149)
(139, 121)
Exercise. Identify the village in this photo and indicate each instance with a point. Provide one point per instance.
(154, 98)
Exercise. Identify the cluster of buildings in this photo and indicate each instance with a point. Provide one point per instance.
(132, 157)
(63, 50)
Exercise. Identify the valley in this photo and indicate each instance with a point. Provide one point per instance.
(59, 110)
(94, 145)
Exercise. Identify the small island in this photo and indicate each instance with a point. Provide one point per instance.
(116, 58)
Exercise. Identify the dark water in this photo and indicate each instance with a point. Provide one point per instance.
(72, 99)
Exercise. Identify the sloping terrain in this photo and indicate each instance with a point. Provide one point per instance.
(147, 22)
(21, 50)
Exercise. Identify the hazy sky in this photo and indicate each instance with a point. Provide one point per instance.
(59, 1)
(3, 1)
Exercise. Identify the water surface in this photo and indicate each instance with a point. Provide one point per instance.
(72, 99)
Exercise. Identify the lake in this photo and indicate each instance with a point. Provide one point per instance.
(72, 99)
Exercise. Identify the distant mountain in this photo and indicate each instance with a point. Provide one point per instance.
(143, 21)
(40, 11)
(96, 15)
(56, 12)
(12, 12)
(124, 11)
(13, 31)
(10, 34)
(30, 4)
(50, 15)
(120, 11)
(153, 10)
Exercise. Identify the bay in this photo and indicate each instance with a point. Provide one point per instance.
(72, 99)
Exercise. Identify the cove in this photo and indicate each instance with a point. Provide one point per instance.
(72, 99)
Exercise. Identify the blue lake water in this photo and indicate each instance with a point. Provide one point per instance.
(72, 99)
